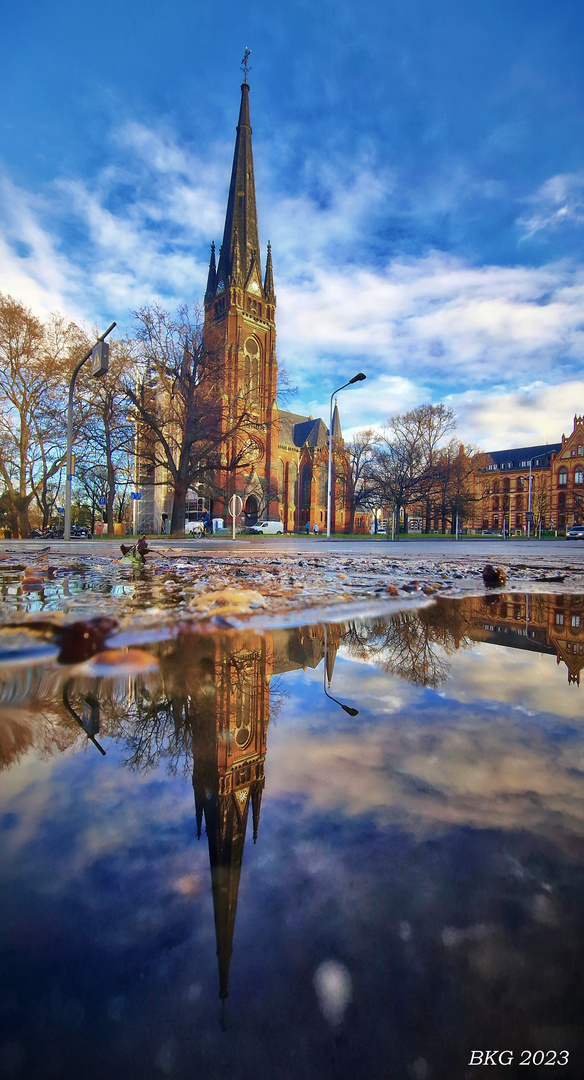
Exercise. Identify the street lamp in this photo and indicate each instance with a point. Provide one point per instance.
(346, 708)
(529, 500)
(99, 352)
(356, 378)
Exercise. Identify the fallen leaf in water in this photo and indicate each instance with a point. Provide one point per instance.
(122, 662)
(229, 601)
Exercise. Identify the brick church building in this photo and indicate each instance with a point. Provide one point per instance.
(283, 475)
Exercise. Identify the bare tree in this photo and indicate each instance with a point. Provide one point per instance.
(108, 434)
(540, 500)
(361, 488)
(188, 429)
(403, 467)
(36, 360)
(454, 493)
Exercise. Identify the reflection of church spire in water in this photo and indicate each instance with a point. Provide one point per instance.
(229, 745)
(229, 716)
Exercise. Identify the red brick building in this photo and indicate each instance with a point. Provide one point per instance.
(502, 496)
(283, 475)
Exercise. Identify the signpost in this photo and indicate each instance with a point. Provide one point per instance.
(102, 500)
(235, 508)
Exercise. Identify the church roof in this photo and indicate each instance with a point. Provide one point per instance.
(299, 431)
(319, 434)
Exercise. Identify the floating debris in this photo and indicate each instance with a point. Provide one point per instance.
(494, 575)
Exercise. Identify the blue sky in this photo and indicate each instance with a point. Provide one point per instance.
(419, 172)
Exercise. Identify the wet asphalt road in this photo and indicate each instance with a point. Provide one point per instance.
(557, 551)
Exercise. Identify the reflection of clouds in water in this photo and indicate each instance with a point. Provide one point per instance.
(334, 990)
(526, 680)
(438, 761)
(105, 816)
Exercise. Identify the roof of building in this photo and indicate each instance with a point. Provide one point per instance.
(297, 430)
(520, 457)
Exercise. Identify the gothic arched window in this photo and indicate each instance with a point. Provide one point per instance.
(305, 478)
(322, 485)
(292, 478)
(563, 477)
(251, 367)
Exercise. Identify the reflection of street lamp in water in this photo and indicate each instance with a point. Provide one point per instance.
(345, 708)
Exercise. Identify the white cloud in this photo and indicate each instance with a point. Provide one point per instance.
(558, 202)
(536, 413)
(422, 328)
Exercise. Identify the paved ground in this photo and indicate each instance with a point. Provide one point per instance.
(556, 552)
(275, 578)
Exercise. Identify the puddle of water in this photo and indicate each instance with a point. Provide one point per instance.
(346, 850)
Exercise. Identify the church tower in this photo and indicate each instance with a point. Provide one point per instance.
(240, 307)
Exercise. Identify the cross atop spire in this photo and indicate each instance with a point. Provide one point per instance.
(244, 66)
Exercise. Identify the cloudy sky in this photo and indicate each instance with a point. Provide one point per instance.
(419, 172)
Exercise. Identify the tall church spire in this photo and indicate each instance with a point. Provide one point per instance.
(240, 238)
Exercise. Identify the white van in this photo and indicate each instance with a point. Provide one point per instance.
(267, 528)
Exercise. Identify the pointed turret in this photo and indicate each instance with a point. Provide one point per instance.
(269, 278)
(240, 239)
(256, 802)
(336, 432)
(211, 277)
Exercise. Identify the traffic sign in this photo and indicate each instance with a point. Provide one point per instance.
(529, 516)
(235, 505)
(102, 500)
(60, 509)
(136, 495)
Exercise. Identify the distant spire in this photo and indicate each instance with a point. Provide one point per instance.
(269, 278)
(336, 432)
(212, 276)
(240, 237)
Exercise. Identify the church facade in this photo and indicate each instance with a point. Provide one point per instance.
(282, 457)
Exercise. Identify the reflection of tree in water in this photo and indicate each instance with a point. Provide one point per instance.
(169, 720)
(30, 720)
(413, 644)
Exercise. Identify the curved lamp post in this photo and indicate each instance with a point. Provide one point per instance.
(356, 378)
(346, 708)
(100, 365)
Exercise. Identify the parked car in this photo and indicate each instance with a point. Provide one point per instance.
(492, 532)
(267, 528)
(575, 533)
